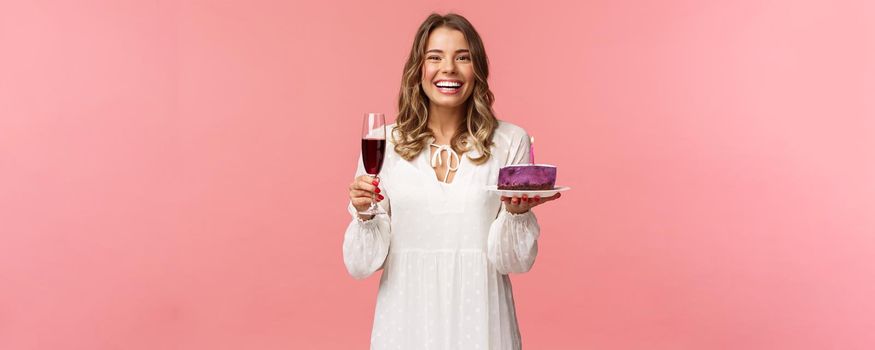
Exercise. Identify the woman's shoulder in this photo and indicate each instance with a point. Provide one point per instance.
(508, 132)
(392, 134)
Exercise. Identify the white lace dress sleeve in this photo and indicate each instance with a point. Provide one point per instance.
(366, 242)
(512, 243)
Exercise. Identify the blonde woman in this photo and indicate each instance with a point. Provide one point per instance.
(447, 245)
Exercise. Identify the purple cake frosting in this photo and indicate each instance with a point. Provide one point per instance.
(527, 177)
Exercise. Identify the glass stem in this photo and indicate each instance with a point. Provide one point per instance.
(374, 195)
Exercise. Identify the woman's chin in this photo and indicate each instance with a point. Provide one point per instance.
(448, 101)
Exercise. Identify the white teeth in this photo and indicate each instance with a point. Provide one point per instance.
(448, 84)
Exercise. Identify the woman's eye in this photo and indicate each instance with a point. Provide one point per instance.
(433, 58)
(464, 58)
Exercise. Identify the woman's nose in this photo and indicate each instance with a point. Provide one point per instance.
(448, 66)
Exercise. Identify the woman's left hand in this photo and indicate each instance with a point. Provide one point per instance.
(519, 205)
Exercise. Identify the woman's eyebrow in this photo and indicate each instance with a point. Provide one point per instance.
(442, 51)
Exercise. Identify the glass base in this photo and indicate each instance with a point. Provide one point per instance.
(374, 209)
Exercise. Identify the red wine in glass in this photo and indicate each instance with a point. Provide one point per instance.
(373, 152)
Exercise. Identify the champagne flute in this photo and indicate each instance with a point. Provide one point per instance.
(373, 150)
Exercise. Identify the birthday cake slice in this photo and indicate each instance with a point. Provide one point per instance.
(531, 177)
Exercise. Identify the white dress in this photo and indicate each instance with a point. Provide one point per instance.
(445, 250)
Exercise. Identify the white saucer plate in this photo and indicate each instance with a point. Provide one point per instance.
(528, 193)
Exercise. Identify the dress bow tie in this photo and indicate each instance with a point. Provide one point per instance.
(437, 161)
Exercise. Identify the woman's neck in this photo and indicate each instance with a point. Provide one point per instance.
(444, 122)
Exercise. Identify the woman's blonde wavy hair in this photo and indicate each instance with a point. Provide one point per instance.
(411, 130)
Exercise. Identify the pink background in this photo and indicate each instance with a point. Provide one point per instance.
(173, 174)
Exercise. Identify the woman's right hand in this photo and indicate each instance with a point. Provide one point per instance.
(361, 192)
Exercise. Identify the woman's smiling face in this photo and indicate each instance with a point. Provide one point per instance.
(447, 70)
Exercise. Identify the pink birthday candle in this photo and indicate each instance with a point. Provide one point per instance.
(532, 150)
